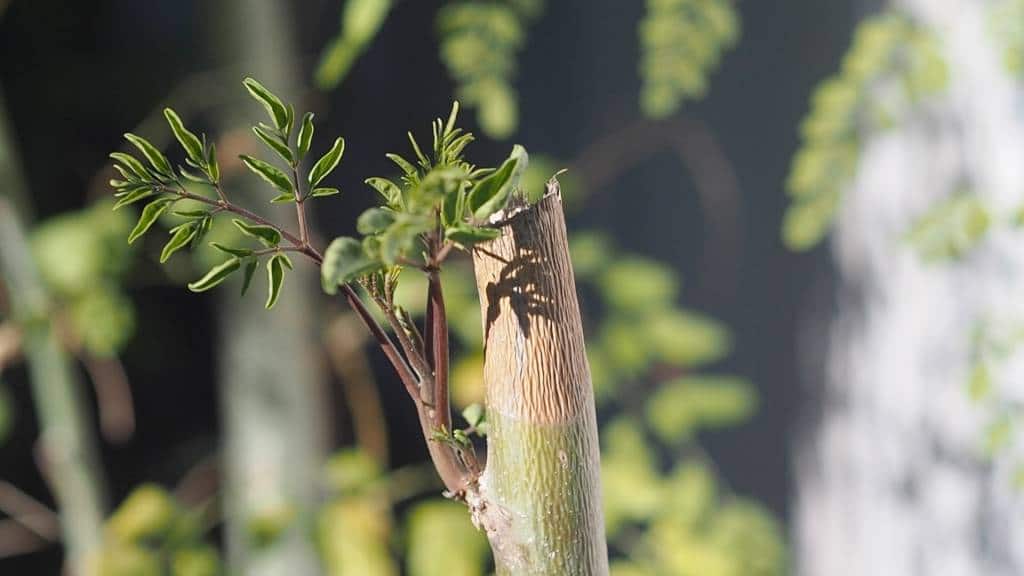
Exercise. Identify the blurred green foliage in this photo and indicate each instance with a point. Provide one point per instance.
(891, 66)
(950, 228)
(83, 258)
(480, 41)
(679, 522)
(1007, 23)
(681, 44)
(361, 20)
(150, 534)
(993, 343)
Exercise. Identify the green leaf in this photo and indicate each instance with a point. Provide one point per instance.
(239, 252)
(132, 163)
(450, 206)
(212, 167)
(416, 149)
(979, 386)
(191, 213)
(389, 190)
(283, 198)
(133, 197)
(193, 147)
(270, 173)
(150, 213)
(951, 228)
(468, 235)
(305, 135)
(493, 192)
(275, 143)
(452, 116)
(205, 224)
(321, 192)
(250, 270)
(182, 235)
(275, 277)
(192, 176)
(276, 109)
(374, 221)
(155, 157)
(289, 123)
(268, 235)
(216, 275)
(474, 414)
(344, 261)
(327, 163)
(403, 164)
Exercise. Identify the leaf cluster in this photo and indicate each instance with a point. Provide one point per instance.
(82, 258)
(892, 65)
(440, 199)
(680, 522)
(480, 42)
(150, 534)
(154, 182)
(1006, 20)
(681, 44)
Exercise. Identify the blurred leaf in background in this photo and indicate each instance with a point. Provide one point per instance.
(950, 228)
(480, 42)
(681, 44)
(892, 65)
(151, 534)
(83, 258)
(361, 21)
(1007, 23)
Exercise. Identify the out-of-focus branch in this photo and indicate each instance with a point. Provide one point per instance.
(66, 438)
(715, 179)
(10, 345)
(29, 512)
(345, 340)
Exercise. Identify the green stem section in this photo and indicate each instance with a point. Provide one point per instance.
(67, 440)
(539, 499)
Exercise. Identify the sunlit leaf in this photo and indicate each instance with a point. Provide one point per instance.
(192, 145)
(327, 163)
(276, 109)
(216, 275)
(275, 143)
(269, 173)
(150, 213)
(155, 157)
(181, 237)
(268, 235)
(305, 135)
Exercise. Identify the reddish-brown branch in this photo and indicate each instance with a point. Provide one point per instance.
(439, 350)
(386, 345)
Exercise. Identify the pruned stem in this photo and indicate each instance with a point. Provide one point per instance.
(539, 499)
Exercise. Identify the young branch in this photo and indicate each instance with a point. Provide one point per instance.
(226, 206)
(439, 350)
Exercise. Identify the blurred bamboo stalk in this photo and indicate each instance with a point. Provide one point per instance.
(270, 375)
(67, 439)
